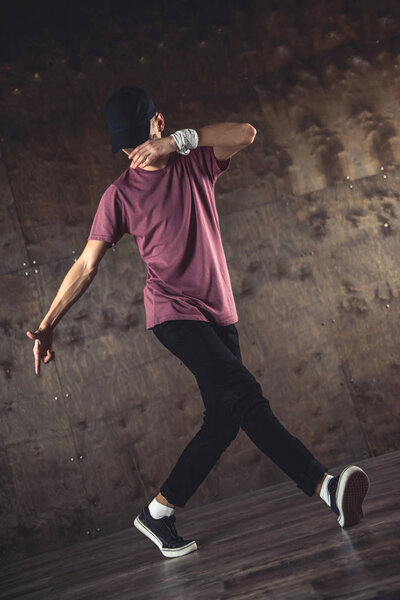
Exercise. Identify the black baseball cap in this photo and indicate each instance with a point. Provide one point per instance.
(128, 113)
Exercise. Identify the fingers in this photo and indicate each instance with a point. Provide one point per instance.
(37, 351)
(50, 356)
(140, 162)
(144, 162)
(37, 360)
(141, 158)
(144, 152)
(139, 149)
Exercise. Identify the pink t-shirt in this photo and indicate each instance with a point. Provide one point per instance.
(172, 215)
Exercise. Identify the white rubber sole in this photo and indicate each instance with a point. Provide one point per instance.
(169, 552)
(352, 486)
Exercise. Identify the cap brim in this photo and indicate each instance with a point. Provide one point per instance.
(129, 138)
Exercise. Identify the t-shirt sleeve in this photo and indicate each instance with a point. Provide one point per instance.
(108, 223)
(213, 166)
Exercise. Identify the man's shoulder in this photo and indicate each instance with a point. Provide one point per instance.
(118, 184)
(121, 179)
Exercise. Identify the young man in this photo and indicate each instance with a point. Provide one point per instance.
(166, 201)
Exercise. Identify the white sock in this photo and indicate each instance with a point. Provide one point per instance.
(324, 490)
(158, 510)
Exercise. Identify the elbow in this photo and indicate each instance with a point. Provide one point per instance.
(251, 133)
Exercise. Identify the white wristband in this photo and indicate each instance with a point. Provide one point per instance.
(186, 139)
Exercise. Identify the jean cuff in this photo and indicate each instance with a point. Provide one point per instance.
(310, 477)
(171, 497)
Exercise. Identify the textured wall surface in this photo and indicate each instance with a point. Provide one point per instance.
(309, 221)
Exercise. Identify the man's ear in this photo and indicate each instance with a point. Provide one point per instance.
(155, 121)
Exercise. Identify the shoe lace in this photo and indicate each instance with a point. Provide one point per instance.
(170, 523)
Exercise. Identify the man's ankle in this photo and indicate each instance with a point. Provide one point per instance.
(160, 498)
(319, 484)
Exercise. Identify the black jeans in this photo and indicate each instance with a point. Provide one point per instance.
(232, 398)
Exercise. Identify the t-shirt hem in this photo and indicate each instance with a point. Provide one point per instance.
(195, 317)
(100, 237)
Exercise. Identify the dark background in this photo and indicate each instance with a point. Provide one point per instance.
(309, 221)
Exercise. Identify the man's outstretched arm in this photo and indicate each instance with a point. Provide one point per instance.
(75, 283)
(226, 138)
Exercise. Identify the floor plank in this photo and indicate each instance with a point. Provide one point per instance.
(275, 543)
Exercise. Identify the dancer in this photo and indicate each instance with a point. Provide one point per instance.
(165, 200)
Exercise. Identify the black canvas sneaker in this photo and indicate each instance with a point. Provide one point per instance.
(163, 533)
(347, 492)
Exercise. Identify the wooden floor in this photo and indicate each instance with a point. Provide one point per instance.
(274, 543)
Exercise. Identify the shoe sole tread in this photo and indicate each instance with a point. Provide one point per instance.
(351, 490)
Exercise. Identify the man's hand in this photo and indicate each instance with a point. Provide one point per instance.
(42, 348)
(147, 154)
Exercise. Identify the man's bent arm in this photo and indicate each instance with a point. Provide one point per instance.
(75, 283)
(226, 134)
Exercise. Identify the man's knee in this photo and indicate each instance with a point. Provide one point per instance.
(221, 432)
(248, 405)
